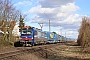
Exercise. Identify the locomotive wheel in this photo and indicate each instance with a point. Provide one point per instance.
(33, 44)
(44, 43)
(17, 44)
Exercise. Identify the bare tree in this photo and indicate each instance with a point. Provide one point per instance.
(8, 17)
(84, 33)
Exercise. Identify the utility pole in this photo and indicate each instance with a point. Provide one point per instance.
(65, 36)
(41, 25)
(61, 33)
(49, 25)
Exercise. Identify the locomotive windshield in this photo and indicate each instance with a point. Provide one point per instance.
(26, 31)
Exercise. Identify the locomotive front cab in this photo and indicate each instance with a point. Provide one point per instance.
(26, 36)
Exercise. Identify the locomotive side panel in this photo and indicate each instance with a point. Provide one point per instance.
(50, 37)
(39, 37)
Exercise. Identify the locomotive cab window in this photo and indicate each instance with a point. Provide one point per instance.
(29, 31)
(26, 31)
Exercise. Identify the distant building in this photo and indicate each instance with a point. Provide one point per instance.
(7, 25)
(15, 31)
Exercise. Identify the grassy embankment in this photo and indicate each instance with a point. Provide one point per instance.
(7, 43)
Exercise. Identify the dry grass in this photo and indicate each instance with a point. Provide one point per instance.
(69, 52)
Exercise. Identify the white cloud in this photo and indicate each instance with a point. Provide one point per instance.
(39, 10)
(54, 3)
(72, 19)
(60, 12)
(25, 3)
(69, 33)
(63, 14)
(69, 8)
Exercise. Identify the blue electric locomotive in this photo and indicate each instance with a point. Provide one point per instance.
(49, 37)
(52, 37)
(31, 36)
(39, 37)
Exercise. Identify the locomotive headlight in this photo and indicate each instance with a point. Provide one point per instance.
(26, 37)
(32, 37)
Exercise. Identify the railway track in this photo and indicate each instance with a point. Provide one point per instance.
(12, 53)
(9, 54)
(42, 50)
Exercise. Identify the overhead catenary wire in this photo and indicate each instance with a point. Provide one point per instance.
(43, 13)
(41, 10)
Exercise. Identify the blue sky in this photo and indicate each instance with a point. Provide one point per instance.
(64, 15)
(84, 6)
